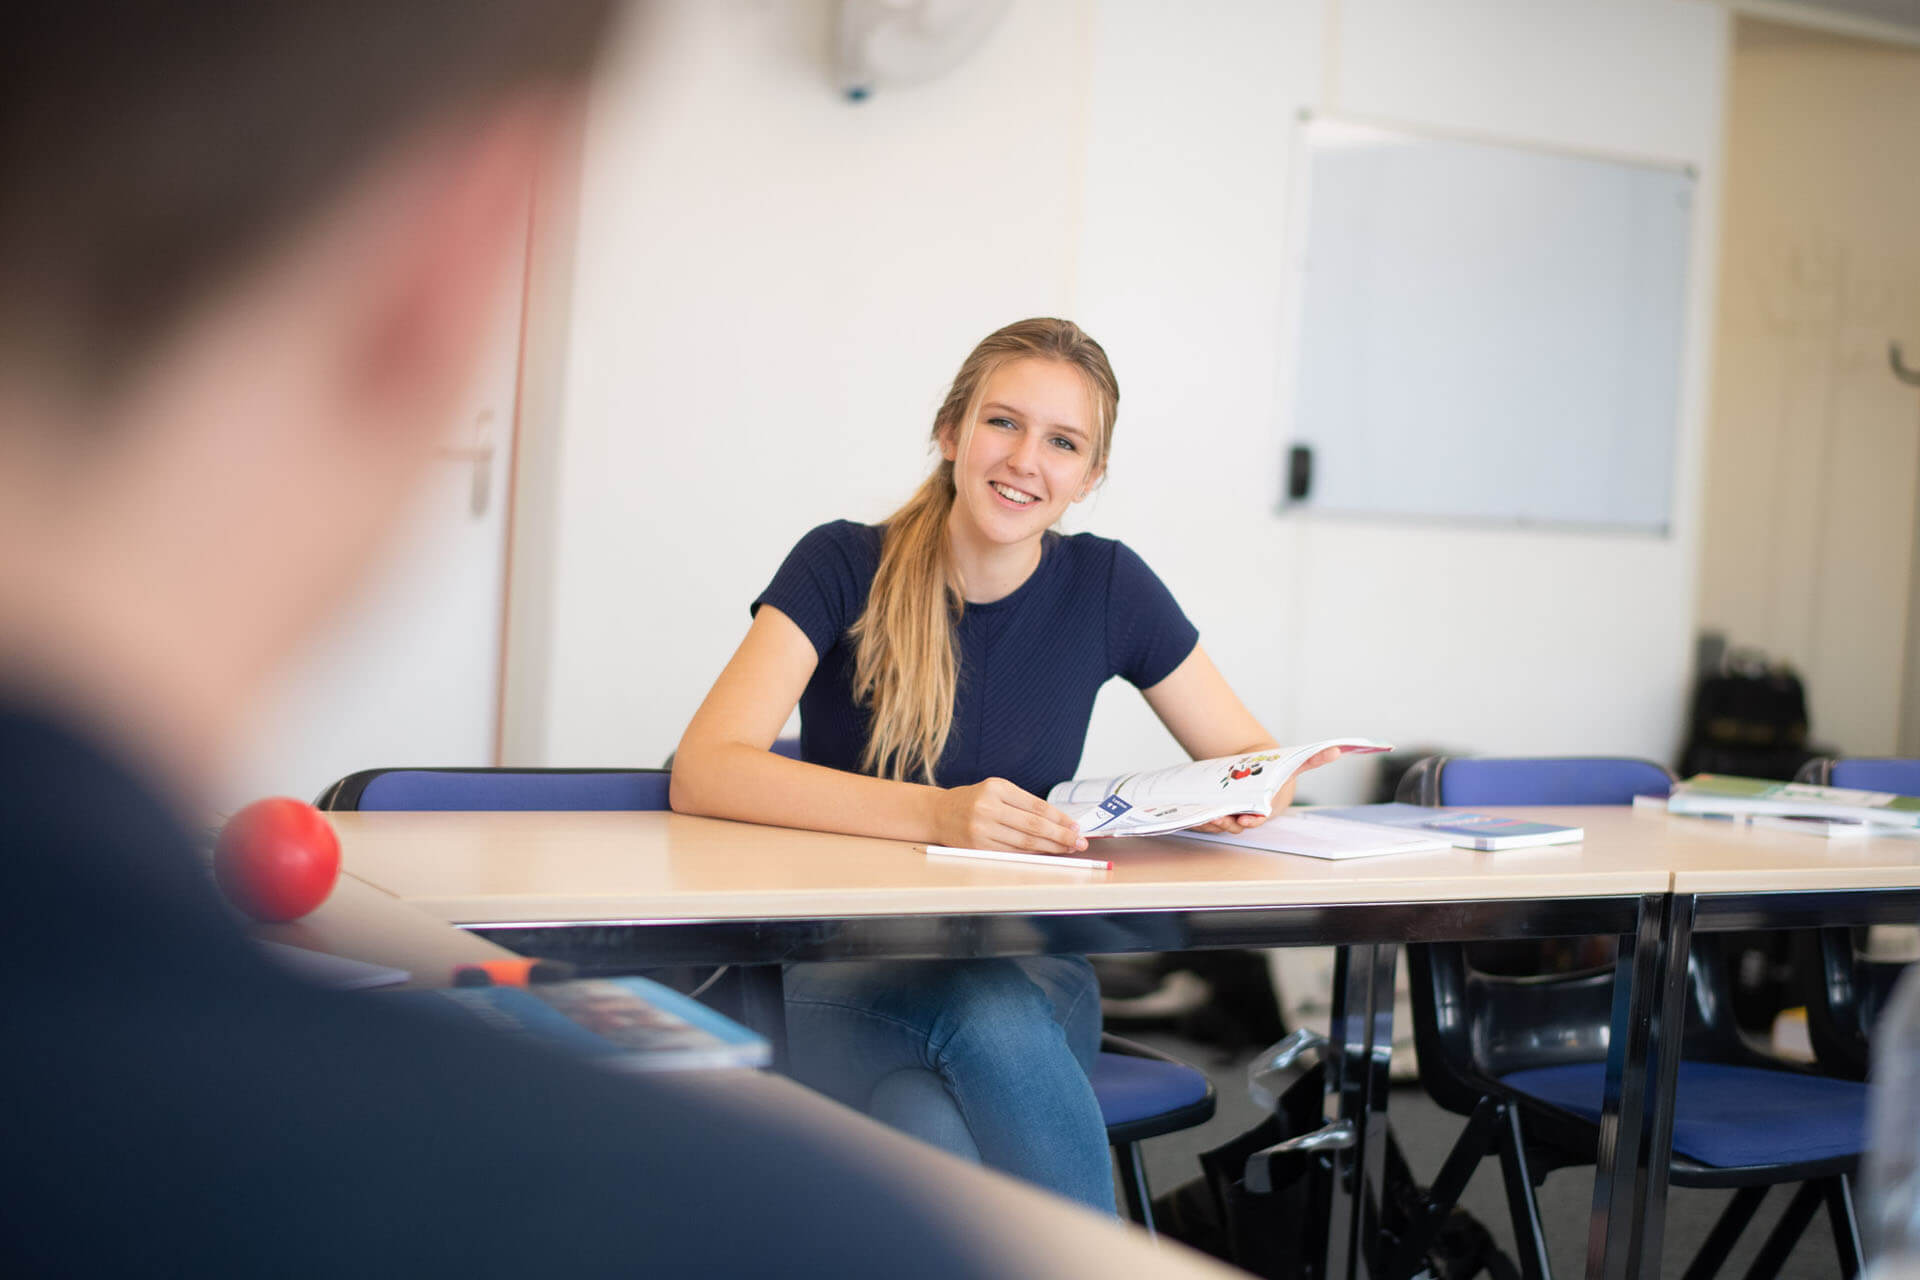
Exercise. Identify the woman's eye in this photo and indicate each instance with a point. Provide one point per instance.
(1005, 424)
(1063, 443)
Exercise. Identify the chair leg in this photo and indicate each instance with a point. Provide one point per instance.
(1786, 1233)
(1846, 1225)
(1720, 1241)
(1133, 1184)
(1530, 1242)
(1473, 1145)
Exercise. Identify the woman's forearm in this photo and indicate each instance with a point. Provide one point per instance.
(721, 779)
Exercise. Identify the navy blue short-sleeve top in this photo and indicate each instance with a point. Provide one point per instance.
(1030, 662)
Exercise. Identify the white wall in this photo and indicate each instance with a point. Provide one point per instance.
(772, 287)
(1482, 639)
(1810, 486)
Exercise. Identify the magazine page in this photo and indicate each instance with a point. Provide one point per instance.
(1115, 817)
(1189, 795)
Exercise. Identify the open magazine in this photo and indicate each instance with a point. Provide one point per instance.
(1190, 795)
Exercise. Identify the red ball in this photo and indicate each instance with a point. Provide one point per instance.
(277, 859)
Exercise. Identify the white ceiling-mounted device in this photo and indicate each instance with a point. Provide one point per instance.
(892, 43)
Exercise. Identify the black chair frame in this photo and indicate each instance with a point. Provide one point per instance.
(1844, 988)
(1462, 1020)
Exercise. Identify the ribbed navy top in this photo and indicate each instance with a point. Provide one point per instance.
(1030, 662)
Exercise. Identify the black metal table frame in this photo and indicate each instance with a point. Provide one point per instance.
(1691, 913)
(1369, 934)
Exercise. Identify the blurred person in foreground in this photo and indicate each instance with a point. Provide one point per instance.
(247, 251)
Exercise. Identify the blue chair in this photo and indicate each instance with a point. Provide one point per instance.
(1143, 1093)
(1864, 773)
(1524, 1057)
(1535, 780)
(500, 790)
(1846, 989)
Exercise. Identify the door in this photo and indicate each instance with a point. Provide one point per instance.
(410, 673)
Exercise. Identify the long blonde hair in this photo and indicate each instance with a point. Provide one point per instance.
(906, 665)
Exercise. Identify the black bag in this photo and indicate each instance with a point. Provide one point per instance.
(1281, 1232)
(1749, 719)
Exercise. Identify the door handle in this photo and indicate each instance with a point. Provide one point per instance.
(480, 455)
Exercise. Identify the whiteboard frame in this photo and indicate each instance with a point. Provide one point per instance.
(1298, 231)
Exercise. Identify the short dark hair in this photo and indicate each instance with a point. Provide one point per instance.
(152, 149)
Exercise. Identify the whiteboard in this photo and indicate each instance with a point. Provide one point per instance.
(1488, 332)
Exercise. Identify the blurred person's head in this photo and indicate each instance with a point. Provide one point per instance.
(249, 250)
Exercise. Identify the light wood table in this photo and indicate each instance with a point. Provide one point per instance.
(614, 890)
(360, 922)
(534, 869)
(643, 889)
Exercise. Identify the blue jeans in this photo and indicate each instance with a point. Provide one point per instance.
(984, 1058)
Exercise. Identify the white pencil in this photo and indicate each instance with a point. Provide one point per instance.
(1038, 859)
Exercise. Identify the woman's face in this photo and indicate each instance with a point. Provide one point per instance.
(1029, 454)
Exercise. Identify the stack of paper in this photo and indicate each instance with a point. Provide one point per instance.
(1718, 794)
(1467, 830)
(1318, 837)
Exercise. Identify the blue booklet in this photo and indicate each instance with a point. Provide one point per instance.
(1465, 829)
(629, 1024)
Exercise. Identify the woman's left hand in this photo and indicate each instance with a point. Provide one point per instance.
(1234, 823)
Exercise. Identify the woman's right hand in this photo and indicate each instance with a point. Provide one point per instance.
(995, 814)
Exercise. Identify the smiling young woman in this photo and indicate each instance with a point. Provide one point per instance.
(945, 664)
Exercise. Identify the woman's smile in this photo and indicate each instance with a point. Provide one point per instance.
(1011, 496)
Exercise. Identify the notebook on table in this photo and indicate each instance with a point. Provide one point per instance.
(1464, 828)
(1315, 836)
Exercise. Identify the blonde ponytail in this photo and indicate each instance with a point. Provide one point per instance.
(906, 665)
(906, 656)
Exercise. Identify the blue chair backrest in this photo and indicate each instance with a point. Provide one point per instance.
(1470, 1023)
(1902, 777)
(515, 789)
(1551, 780)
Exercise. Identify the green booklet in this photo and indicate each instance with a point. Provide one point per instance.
(1715, 793)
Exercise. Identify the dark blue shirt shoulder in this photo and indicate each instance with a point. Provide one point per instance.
(1031, 663)
(823, 583)
(178, 1105)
